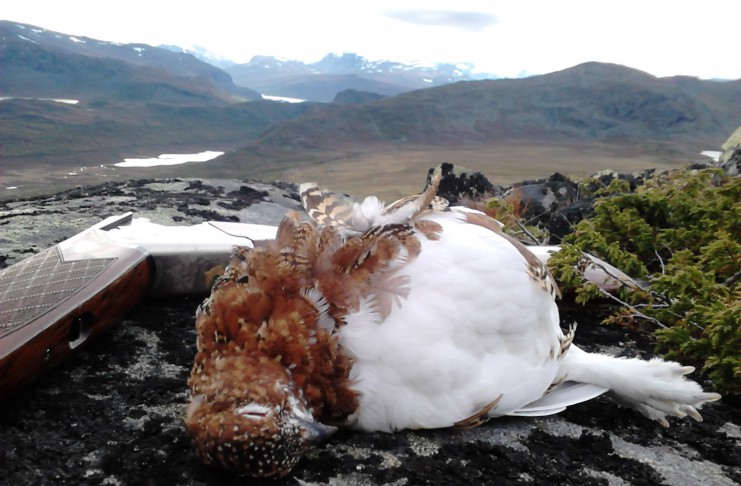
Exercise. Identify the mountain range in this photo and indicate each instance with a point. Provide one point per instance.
(135, 99)
(591, 100)
(323, 80)
(587, 105)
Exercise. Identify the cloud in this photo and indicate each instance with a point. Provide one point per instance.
(473, 21)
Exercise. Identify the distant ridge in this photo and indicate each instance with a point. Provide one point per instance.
(41, 63)
(586, 102)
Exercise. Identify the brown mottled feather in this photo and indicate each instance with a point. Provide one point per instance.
(331, 209)
(426, 200)
(430, 229)
(258, 305)
(221, 439)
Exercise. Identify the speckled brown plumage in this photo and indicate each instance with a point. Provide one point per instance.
(271, 318)
(221, 437)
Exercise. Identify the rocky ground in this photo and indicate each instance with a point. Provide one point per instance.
(113, 414)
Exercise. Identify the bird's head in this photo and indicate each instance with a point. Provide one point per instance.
(247, 415)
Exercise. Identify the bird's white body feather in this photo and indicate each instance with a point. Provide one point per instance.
(460, 338)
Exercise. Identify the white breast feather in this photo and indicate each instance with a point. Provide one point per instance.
(474, 325)
(366, 213)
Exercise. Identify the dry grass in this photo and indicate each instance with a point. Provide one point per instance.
(395, 173)
(392, 172)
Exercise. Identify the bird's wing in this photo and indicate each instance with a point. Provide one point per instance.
(595, 270)
(356, 217)
(332, 209)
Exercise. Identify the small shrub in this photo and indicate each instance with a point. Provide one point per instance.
(680, 231)
(504, 212)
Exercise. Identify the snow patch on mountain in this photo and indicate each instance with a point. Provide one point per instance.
(202, 54)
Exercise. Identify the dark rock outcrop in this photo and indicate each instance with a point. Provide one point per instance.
(113, 414)
(553, 203)
(459, 184)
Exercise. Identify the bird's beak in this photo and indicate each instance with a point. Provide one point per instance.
(315, 432)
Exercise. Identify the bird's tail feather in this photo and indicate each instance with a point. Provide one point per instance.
(560, 397)
(656, 388)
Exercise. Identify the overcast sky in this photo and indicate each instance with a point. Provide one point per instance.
(504, 37)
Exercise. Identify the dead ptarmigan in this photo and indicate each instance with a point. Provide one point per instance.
(382, 318)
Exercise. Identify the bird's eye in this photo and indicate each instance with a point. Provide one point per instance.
(253, 411)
